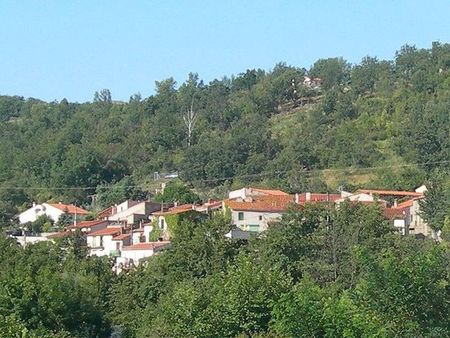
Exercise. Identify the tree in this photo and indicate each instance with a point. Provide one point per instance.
(42, 224)
(176, 191)
(51, 291)
(190, 119)
(64, 220)
(110, 194)
(333, 72)
(104, 96)
(299, 312)
(435, 207)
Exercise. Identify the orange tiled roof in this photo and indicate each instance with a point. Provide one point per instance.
(69, 208)
(406, 204)
(175, 210)
(390, 192)
(394, 213)
(60, 234)
(105, 212)
(121, 237)
(271, 192)
(87, 224)
(315, 197)
(262, 203)
(146, 246)
(107, 231)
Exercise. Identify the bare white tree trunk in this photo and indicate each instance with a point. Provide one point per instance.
(190, 118)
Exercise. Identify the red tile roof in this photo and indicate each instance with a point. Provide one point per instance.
(271, 192)
(87, 224)
(394, 213)
(61, 234)
(314, 197)
(406, 204)
(146, 246)
(69, 208)
(390, 192)
(106, 232)
(262, 203)
(105, 212)
(175, 210)
(121, 237)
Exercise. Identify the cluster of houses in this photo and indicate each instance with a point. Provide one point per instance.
(134, 230)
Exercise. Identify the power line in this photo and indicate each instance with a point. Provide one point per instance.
(309, 172)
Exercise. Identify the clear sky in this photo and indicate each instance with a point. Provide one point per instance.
(51, 49)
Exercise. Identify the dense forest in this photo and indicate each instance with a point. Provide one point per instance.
(319, 272)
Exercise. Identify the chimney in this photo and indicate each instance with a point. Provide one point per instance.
(175, 204)
(308, 196)
(297, 198)
(395, 203)
(34, 204)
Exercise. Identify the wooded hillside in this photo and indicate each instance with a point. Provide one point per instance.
(388, 121)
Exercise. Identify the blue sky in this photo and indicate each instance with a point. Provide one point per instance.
(67, 48)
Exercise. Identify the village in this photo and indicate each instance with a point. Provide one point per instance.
(132, 231)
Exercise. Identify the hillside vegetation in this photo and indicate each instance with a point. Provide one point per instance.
(257, 127)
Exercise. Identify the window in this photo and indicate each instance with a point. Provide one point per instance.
(161, 223)
(260, 218)
(240, 216)
(253, 228)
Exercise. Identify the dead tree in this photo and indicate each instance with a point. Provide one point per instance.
(190, 118)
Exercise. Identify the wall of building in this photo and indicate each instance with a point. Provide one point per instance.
(136, 255)
(25, 240)
(134, 213)
(37, 210)
(417, 224)
(101, 245)
(259, 218)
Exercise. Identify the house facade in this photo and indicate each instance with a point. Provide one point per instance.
(163, 221)
(254, 214)
(134, 254)
(52, 210)
(101, 242)
(133, 212)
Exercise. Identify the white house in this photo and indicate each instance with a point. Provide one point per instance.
(101, 242)
(132, 212)
(52, 210)
(136, 252)
(254, 214)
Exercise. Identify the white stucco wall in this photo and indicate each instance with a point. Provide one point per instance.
(147, 230)
(254, 218)
(241, 193)
(361, 197)
(417, 224)
(136, 255)
(399, 224)
(25, 240)
(30, 215)
(108, 245)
